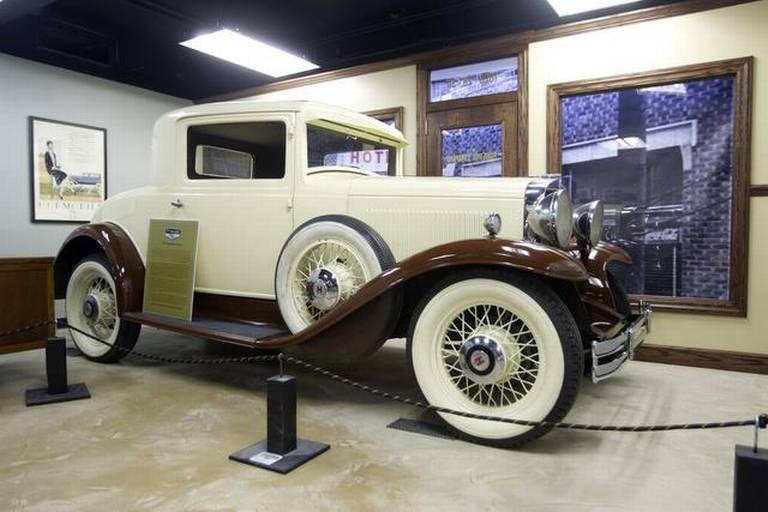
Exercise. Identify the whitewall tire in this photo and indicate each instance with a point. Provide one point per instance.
(324, 263)
(91, 306)
(499, 344)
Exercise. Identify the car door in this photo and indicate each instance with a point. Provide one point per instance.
(237, 183)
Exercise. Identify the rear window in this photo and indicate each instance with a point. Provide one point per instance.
(241, 151)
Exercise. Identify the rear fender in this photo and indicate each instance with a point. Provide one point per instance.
(126, 266)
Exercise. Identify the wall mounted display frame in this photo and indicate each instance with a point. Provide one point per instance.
(668, 153)
(68, 170)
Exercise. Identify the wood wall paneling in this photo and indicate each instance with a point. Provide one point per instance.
(704, 358)
(26, 288)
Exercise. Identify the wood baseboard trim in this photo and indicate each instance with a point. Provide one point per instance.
(704, 358)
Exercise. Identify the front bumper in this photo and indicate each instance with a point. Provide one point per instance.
(610, 354)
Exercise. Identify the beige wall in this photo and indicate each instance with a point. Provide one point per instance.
(718, 34)
(383, 89)
(730, 32)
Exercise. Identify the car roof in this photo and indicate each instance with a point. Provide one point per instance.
(312, 110)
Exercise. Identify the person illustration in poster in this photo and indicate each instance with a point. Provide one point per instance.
(54, 170)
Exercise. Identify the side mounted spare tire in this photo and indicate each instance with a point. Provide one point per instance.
(323, 263)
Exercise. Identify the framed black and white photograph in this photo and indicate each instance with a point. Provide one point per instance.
(68, 167)
(667, 153)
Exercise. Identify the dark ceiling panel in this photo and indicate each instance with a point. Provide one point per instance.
(136, 41)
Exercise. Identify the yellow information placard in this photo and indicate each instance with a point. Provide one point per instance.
(169, 284)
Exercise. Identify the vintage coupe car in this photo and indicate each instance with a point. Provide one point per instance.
(500, 287)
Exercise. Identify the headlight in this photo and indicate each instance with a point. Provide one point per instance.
(551, 218)
(588, 222)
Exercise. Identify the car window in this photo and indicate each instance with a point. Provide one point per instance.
(332, 148)
(253, 150)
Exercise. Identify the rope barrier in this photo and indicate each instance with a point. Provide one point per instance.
(760, 421)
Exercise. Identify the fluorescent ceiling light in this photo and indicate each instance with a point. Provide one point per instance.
(249, 53)
(569, 7)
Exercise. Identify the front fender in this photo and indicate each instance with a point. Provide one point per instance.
(126, 266)
(607, 305)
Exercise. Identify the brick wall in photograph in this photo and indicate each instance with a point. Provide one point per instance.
(705, 229)
(466, 142)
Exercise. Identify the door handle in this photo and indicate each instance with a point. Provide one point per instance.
(177, 203)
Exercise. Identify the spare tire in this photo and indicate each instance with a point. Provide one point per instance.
(323, 263)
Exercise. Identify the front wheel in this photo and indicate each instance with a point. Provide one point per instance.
(91, 304)
(498, 344)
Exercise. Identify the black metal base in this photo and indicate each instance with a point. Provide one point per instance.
(41, 396)
(427, 428)
(750, 493)
(257, 455)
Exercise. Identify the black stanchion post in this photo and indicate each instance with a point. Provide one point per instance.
(281, 414)
(281, 451)
(56, 366)
(58, 389)
(750, 493)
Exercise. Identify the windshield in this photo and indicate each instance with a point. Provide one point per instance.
(327, 147)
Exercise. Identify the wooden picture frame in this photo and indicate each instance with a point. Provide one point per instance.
(68, 170)
(741, 72)
(385, 114)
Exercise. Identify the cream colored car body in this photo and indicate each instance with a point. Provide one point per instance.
(244, 223)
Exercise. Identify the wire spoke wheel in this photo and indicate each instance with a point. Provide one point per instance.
(341, 265)
(323, 264)
(495, 322)
(91, 305)
(495, 343)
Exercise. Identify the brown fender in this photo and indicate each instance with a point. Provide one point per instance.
(530, 257)
(597, 294)
(127, 268)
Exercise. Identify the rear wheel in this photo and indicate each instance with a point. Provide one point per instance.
(91, 304)
(498, 344)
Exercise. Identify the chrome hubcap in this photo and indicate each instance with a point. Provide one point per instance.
(326, 286)
(322, 289)
(482, 359)
(91, 308)
(326, 274)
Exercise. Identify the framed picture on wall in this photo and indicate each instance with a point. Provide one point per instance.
(68, 168)
(668, 153)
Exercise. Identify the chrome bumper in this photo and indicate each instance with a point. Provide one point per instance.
(609, 355)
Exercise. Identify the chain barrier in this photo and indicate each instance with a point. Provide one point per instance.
(760, 421)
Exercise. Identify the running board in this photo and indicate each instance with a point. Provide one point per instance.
(246, 334)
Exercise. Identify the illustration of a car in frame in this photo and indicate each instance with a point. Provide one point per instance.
(499, 285)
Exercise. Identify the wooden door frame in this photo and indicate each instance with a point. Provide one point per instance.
(478, 54)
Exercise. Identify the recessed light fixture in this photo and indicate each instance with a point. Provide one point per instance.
(244, 51)
(569, 7)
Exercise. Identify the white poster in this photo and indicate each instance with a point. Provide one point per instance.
(69, 170)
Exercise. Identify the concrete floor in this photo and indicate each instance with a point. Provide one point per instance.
(157, 437)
